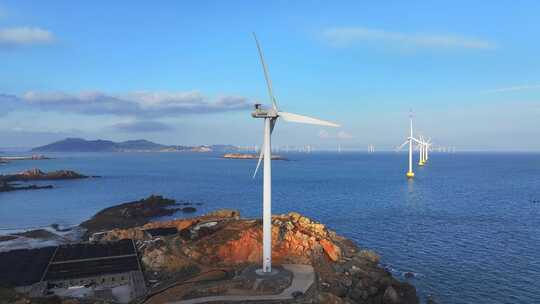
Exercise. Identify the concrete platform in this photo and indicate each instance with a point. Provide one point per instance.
(303, 276)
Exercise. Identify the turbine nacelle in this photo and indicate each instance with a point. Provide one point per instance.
(262, 112)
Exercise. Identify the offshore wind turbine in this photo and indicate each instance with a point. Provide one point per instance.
(422, 151)
(410, 140)
(270, 117)
(427, 147)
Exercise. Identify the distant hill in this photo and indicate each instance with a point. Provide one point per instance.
(78, 145)
(140, 145)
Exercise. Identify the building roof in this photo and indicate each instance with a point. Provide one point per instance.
(92, 259)
(24, 267)
(66, 262)
(93, 250)
(91, 268)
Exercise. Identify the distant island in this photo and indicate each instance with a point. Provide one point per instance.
(140, 145)
(10, 182)
(31, 157)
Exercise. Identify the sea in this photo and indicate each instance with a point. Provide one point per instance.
(466, 229)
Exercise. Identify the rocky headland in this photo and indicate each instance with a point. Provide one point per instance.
(223, 241)
(208, 255)
(137, 213)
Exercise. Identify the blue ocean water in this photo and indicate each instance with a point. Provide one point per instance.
(468, 225)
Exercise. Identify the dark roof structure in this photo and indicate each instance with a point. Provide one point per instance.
(94, 259)
(94, 250)
(91, 268)
(24, 267)
(67, 262)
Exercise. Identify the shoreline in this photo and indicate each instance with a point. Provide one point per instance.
(224, 239)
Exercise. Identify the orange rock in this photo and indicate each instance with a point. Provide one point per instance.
(333, 251)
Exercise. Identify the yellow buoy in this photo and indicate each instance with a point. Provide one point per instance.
(410, 174)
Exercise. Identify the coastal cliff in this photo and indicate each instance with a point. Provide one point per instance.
(212, 255)
(222, 240)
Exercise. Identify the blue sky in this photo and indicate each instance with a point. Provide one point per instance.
(187, 73)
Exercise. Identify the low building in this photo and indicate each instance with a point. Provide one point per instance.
(108, 271)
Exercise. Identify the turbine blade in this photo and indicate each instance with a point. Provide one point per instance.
(261, 155)
(259, 162)
(402, 145)
(266, 76)
(306, 120)
(415, 140)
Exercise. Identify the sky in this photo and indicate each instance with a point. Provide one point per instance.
(188, 72)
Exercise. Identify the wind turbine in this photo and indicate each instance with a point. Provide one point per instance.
(427, 147)
(410, 140)
(270, 117)
(422, 151)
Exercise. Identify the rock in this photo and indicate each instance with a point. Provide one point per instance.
(225, 213)
(328, 298)
(130, 214)
(372, 290)
(161, 259)
(294, 216)
(121, 234)
(331, 250)
(6, 186)
(409, 275)
(406, 292)
(35, 174)
(339, 289)
(370, 256)
(39, 234)
(5, 238)
(390, 296)
(189, 209)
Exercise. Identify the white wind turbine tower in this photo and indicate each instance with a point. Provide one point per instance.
(427, 147)
(270, 117)
(410, 140)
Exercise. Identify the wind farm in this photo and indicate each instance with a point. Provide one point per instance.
(285, 152)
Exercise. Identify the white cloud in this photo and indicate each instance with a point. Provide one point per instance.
(514, 88)
(142, 126)
(323, 134)
(18, 36)
(344, 135)
(137, 104)
(348, 36)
